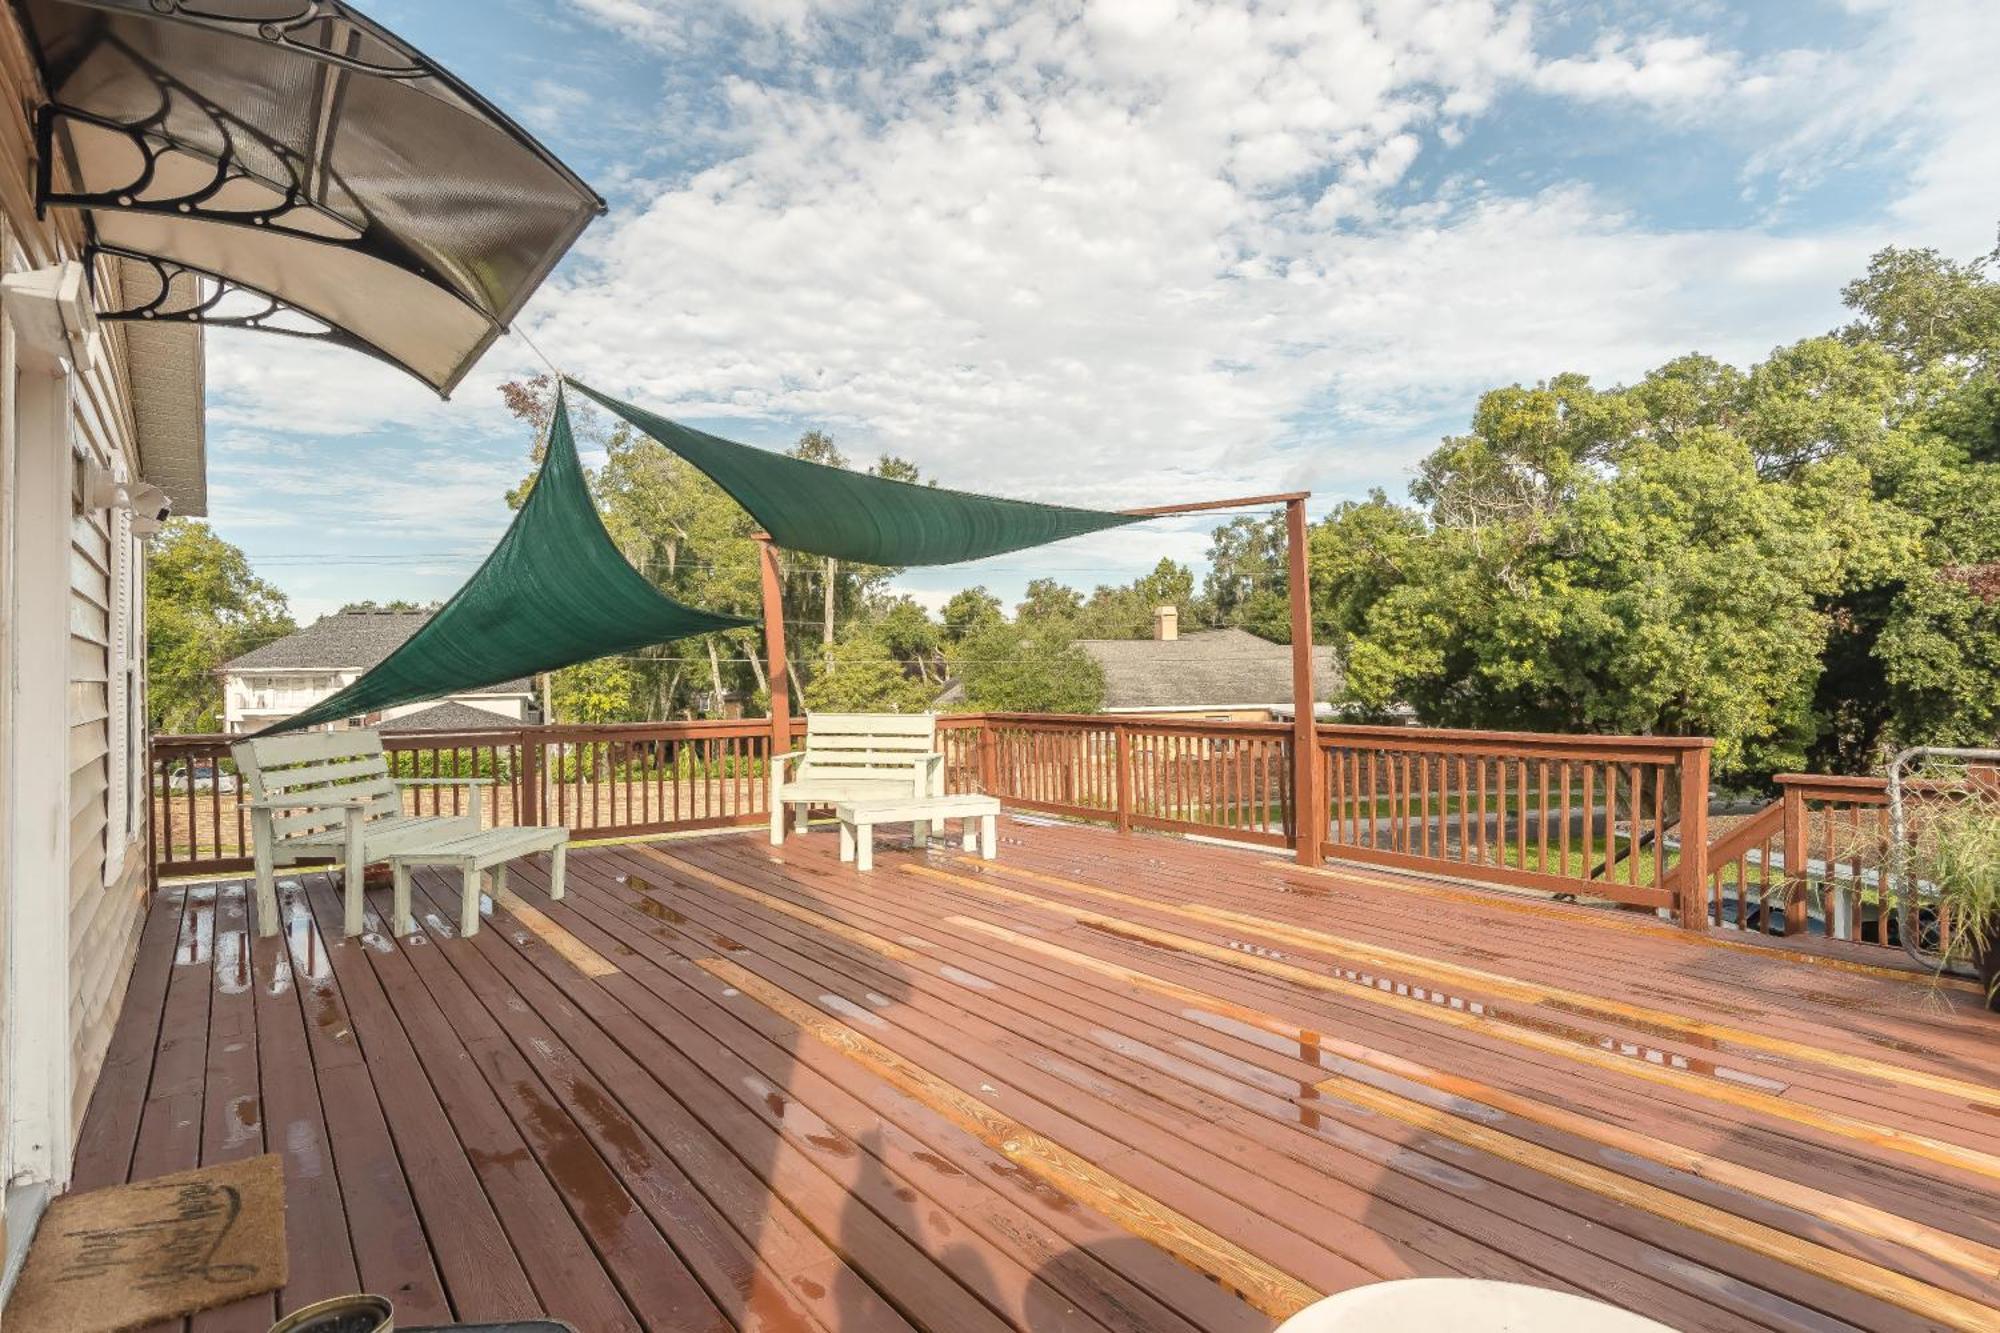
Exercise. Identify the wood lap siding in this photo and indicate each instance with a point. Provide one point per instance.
(105, 918)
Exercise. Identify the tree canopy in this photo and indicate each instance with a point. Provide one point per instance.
(1798, 558)
(203, 607)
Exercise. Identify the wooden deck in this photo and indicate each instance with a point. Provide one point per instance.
(1106, 1083)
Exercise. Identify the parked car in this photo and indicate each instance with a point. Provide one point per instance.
(201, 775)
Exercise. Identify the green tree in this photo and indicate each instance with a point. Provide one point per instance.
(604, 690)
(1793, 558)
(1247, 585)
(969, 611)
(862, 675)
(400, 604)
(1007, 668)
(1047, 602)
(203, 607)
(1126, 612)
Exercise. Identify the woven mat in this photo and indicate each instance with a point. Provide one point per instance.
(125, 1257)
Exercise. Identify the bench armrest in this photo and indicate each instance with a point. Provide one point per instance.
(308, 802)
(780, 762)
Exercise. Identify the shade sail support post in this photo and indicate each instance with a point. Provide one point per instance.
(777, 670)
(1308, 809)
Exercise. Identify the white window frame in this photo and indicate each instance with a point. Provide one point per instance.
(124, 734)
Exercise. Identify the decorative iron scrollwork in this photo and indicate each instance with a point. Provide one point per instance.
(185, 294)
(327, 30)
(191, 157)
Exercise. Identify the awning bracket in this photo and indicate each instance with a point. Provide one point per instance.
(290, 206)
(190, 295)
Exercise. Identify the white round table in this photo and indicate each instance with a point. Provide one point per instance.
(1462, 1305)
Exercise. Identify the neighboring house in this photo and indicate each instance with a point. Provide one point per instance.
(102, 430)
(1213, 675)
(448, 716)
(291, 674)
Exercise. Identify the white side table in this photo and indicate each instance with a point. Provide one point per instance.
(490, 849)
(859, 818)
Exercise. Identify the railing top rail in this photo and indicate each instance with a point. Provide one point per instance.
(1838, 784)
(503, 731)
(1127, 721)
(1423, 737)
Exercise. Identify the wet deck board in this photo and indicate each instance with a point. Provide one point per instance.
(1104, 1084)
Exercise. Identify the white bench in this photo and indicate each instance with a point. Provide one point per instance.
(320, 794)
(859, 818)
(491, 850)
(856, 757)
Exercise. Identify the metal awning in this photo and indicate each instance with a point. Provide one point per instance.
(289, 165)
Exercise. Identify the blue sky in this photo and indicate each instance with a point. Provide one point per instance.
(1129, 252)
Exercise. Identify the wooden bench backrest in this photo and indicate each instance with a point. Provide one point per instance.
(317, 764)
(866, 745)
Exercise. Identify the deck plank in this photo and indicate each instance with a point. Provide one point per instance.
(1145, 1088)
(724, 1086)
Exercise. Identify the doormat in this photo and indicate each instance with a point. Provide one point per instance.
(128, 1256)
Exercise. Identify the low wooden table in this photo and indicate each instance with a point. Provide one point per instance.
(859, 818)
(488, 849)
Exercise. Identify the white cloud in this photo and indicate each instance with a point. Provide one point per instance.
(1150, 250)
(1660, 72)
(1142, 250)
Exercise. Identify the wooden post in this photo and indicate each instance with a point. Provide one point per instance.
(989, 758)
(1794, 834)
(1124, 776)
(777, 674)
(1693, 876)
(1309, 809)
(528, 813)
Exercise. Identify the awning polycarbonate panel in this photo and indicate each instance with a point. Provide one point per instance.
(295, 148)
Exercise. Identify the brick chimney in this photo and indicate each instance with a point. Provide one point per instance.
(1166, 624)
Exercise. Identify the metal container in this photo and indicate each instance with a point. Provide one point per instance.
(359, 1313)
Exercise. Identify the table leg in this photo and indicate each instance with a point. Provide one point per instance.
(353, 873)
(988, 838)
(968, 835)
(864, 847)
(920, 832)
(468, 905)
(558, 862)
(846, 841)
(400, 922)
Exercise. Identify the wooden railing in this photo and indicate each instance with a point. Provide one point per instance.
(1809, 863)
(1585, 816)
(600, 781)
(1618, 819)
(1225, 779)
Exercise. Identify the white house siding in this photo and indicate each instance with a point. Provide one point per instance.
(107, 873)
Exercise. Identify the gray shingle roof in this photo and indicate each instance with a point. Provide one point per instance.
(1207, 669)
(447, 716)
(347, 641)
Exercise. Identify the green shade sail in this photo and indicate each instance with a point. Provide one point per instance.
(553, 593)
(830, 511)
